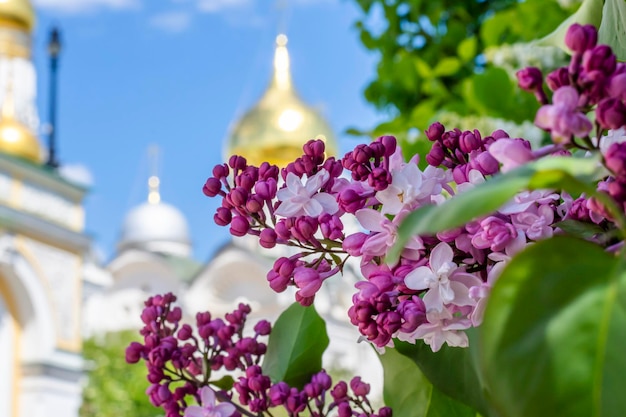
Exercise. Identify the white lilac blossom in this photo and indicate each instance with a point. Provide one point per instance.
(298, 199)
(208, 407)
(444, 281)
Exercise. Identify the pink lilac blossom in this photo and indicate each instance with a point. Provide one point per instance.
(208, 407)
(447, 277)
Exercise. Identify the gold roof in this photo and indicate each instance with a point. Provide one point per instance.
(275, 129)
(17, 12)
(15, 138)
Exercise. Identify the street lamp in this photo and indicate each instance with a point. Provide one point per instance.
(54, 49)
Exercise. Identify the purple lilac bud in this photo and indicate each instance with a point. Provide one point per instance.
(221, 171)
(222, 216)
(331, 226)
(379, 179)
(344, 410)
(266, 189)
(390, 144)
(615, 159)
(212, 187)
(350, 200)
(485, 163)
(616, 86)
(185, 332)
(305, 228)
(263, 328)
(353, 244)
(237, 162)
(617, 190)
(133, 352)
(413, 313)
(558, 78)
(277, 282)
(360, 388)
(308, 280)
(203, 318)
(267, 238)
(600, 58)
(469, 142)
(530, 78)
(578, 210)
(267, 171)
(580, 38)
(611, 113)
(434, 132)
(340, 392)
(314, 148)
(279, 393)
(436, 155)
(239, 226)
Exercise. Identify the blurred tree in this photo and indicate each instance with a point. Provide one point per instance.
(432, 57)
(114, 388)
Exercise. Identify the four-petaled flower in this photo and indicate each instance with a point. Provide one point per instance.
(208, 407)
(445, 281)
(305, 200)
(563, 118)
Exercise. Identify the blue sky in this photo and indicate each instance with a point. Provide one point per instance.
(177, 73)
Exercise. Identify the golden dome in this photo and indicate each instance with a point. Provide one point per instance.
(17, 140)
(18, 12)
(275, 129)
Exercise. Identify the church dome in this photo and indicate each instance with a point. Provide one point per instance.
(17, 12)
(17, 140)
(157, 227)
(275, 129)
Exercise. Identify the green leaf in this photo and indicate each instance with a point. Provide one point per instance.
(552, 341)
(450, 370)
(226, 382)
(410, 394)
(580, 229)
(296, 344)
(567, 173)
(447, 66)
(612, 30)
(589, 12)
(467, 49)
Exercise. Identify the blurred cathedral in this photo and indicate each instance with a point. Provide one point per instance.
(52, 294)
(154, 247)
(43, 248)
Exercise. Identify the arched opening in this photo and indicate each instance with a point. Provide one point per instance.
(10, 333)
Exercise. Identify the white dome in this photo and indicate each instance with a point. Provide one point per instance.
(156, 227)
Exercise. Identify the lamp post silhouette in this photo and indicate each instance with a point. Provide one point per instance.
(54, 49)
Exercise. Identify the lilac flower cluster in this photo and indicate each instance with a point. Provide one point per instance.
(256, 391)
(181, 361)
(440, 284)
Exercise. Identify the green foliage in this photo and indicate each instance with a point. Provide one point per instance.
(553, 339)
(418, 398)
(432, 58)
(466, 387)
(297, 342)
(612, 31)
(114, 388)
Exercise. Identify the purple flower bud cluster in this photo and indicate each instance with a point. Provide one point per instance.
(593, 80)
(258, 393)
(462, 152)
(370, 162)
(180, 360)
